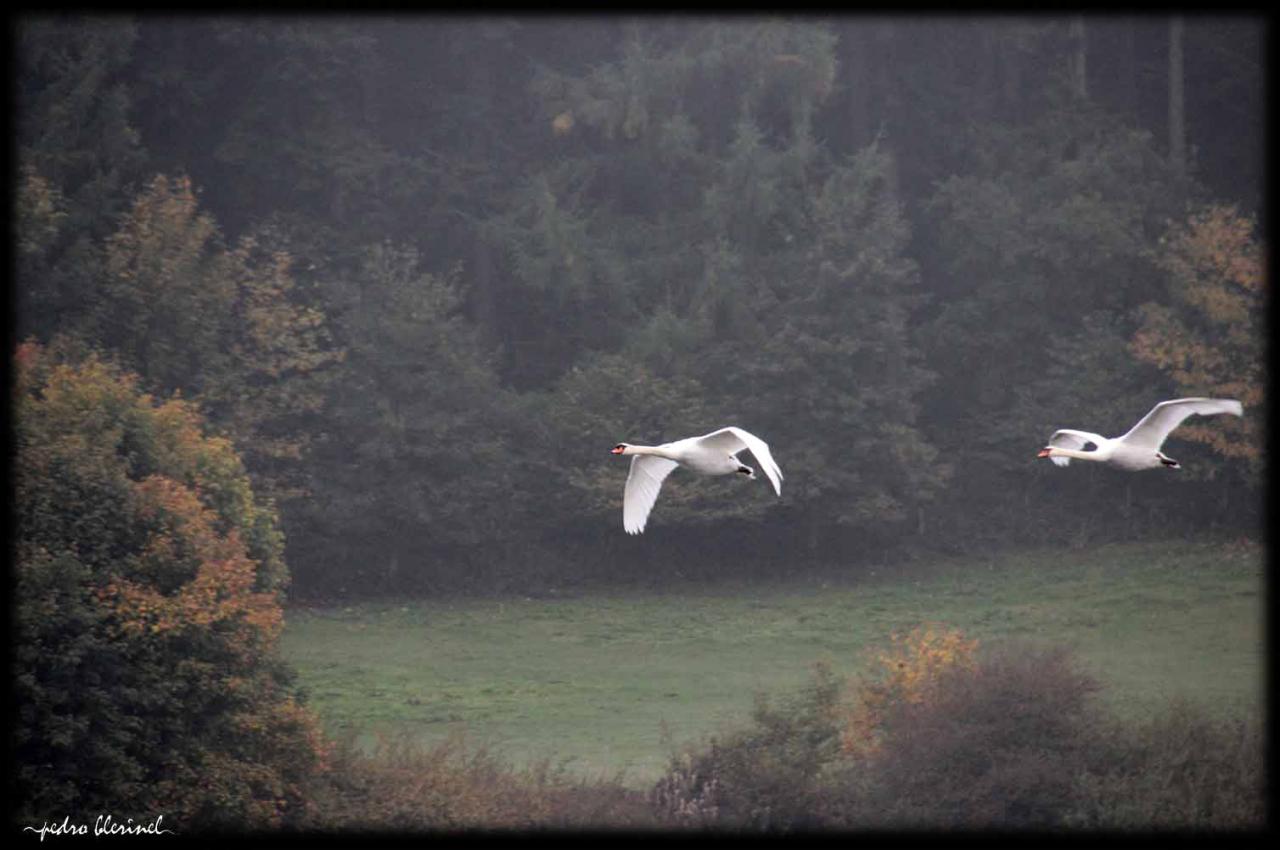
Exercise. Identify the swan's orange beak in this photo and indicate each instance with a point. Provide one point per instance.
(1043, 453)
(617, 450)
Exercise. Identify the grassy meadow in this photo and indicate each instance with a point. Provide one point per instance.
(608, 682)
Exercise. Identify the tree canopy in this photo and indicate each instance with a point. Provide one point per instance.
(424, 270)
(148, 592)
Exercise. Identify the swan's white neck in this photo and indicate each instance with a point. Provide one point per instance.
(647, 450)
(1099, 454)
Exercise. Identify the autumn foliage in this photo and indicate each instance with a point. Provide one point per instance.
(941, 733)
(220, 323)
(147, 613)
(907, 672)
(997, 738)
(1209, 338)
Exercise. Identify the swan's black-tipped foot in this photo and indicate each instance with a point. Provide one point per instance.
(1170, 463)
(747, 471)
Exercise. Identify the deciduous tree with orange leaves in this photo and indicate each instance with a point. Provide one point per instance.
(1209, 339)
(147, 609)
(222, 324)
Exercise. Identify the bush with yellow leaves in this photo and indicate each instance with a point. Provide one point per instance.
(906, 673)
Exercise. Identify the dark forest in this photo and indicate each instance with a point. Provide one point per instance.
(337, 310)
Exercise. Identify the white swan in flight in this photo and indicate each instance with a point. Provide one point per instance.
(711, 454)
(1140, 448)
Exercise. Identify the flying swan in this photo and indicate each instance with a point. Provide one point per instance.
(1140, 448)
(711, 454)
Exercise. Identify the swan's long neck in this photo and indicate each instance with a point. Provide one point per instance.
(659, 451)
(1078, 455)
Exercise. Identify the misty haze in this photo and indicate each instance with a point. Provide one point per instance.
(823, 423)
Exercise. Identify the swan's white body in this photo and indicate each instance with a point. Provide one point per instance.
(1140, 448)
(711, 454)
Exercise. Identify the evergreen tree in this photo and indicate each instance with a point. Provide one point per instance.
(1046, 256)
(835, 357)
(221, 325)
(74, 142)
(74, 124)
(773, 288)
(414, 474)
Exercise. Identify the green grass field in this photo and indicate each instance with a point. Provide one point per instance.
(606, 682)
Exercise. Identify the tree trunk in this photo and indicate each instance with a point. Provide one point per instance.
(882, 75)
(1177, 103)
(812, 535)
(988, 72)
(887, 100)
(1011, 72)
(1127, 68)
(857, 84)
(1079, 67)
(483, 303)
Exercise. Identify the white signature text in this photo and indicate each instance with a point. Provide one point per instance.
(104, 825)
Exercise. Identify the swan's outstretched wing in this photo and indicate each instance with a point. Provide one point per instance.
(1152, 429)
(734, 440)
(643, 483)
(1069, 438)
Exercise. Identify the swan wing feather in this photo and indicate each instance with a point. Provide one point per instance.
(1152, 429)
(641, 491)
(733, 440)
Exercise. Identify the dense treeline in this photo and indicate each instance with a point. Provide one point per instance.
(373, 297)
(425, 271)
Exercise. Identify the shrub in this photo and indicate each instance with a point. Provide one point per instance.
(996, 743)
(769, 775)
(403, 785)
(906, 673)
(1180, 769)
(943, 735)
(146, 613)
